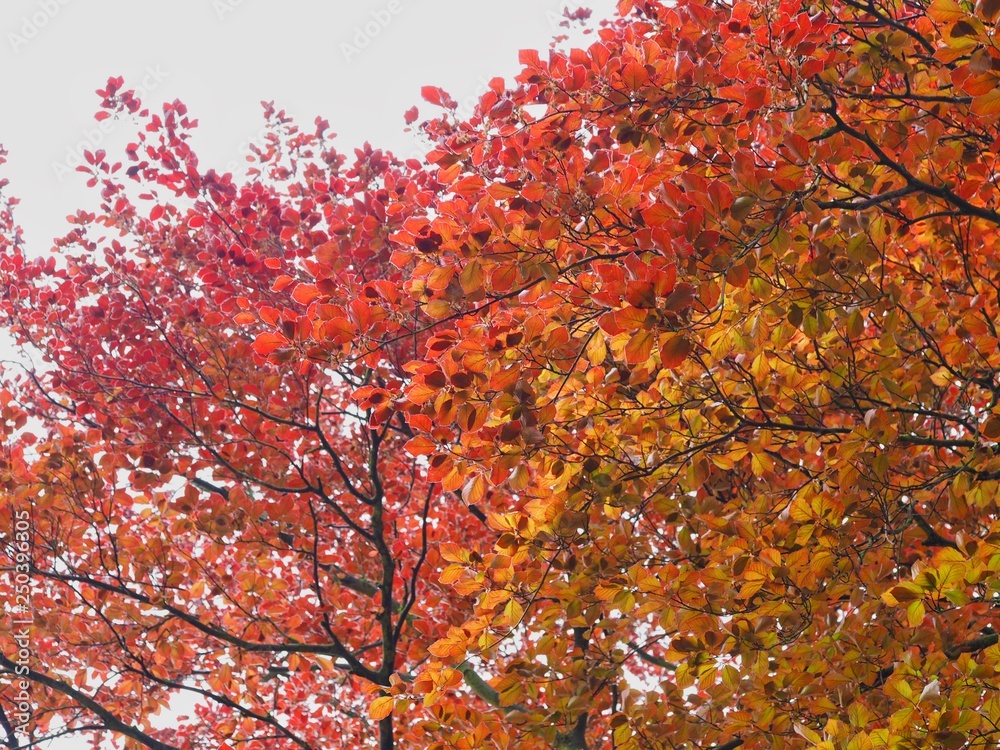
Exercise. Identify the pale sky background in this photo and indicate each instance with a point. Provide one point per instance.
(221, 58)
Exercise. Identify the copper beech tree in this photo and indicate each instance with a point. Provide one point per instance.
(658, 408)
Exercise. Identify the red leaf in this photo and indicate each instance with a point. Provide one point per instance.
(681, 298)
(757, 97)
(269, 315)
(641, 294)
(438, 96)
(529, 58)
(674, 350)
(657, 215)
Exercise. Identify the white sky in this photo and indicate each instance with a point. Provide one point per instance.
(221, 58)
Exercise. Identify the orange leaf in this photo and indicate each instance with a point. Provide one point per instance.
(991, 428)
(626, 319)
(281, 282)
(451, 573)
(305, 293)
(657, 215)
(944, 11)
(551, 228)
(439, 278)
(268, 342)
(421, 445)
(979, 85)
(987, 104)
(421, 392)
(639, 347)
(634, 75)
(501, 192)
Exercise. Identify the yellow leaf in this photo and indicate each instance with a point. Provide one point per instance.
(491, 599)
(197, 590)
(513, 612)
(597, 349)
(809, 734)
(452, 573)
(731, 677)
(438, 308)
(381, 707)
(723, 462)
(760, 464)
(472, 277)
(474, 490)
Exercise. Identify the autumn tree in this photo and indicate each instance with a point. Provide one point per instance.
(207, 523)
(659, 409)
(728, 299)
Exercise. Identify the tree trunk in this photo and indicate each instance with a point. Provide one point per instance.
(385, 740)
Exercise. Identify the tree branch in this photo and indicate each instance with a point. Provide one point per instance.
(934, 538)
(111, 721)
(484, 690)
(972, 645)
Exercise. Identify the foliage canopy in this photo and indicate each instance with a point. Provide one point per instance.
(659, 408)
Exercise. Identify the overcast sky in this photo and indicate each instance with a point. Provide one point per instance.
(358, 63)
